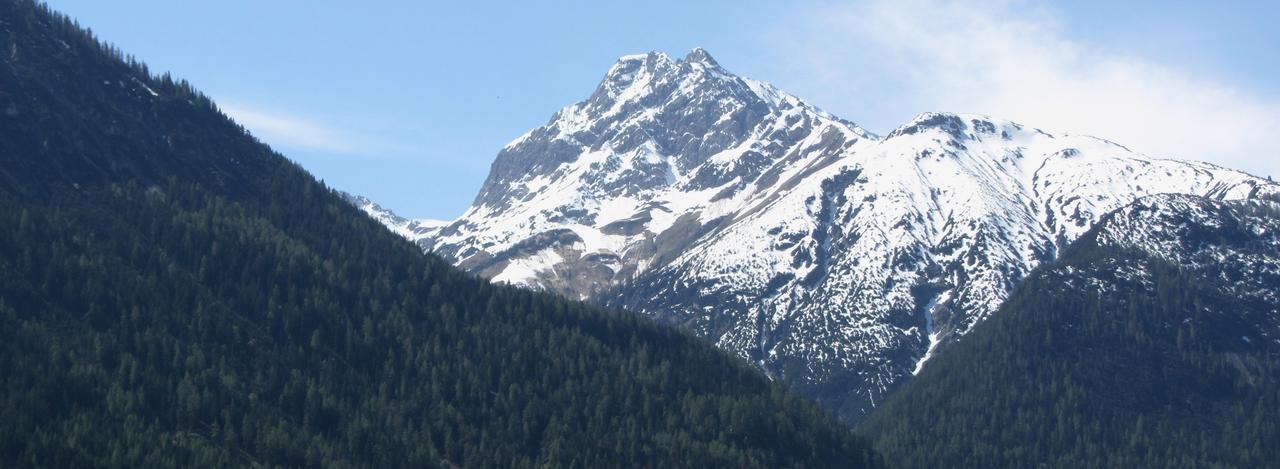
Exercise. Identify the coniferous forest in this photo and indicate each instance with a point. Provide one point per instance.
(175, 294)
(1120, 374)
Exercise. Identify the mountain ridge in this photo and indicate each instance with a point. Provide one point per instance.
(1153, 342)
(833, 258)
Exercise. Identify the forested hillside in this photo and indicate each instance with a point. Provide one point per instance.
(173, 293)
(1153, 342)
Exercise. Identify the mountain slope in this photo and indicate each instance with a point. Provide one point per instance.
(1154, 342)
(173, 293)
(410, 229)
(834, 259)
(601, 173)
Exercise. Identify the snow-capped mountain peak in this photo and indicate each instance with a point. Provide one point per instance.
(413, 229)
(701, 56)
(834, 259)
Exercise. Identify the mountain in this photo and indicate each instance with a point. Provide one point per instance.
(174, 293)
(1154, 341)
(413, 230)
(834, 259)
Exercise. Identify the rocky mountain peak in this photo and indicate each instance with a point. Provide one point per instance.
(653, 123)
(701, 56)
(834, 260)
(957, 126)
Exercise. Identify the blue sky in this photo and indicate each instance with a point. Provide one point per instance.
(408, 102)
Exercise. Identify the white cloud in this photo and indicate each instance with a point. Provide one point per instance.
(290, 131)
(1014, 61)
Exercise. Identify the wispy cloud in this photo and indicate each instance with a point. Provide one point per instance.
(288, 130)
(1013, 60)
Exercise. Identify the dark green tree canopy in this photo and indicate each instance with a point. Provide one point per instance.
(1116, 356)
(173, 293)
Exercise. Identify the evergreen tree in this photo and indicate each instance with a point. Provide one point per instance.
(1110, 358)
(175, 294)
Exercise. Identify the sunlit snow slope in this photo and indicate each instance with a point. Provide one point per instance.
(835, 259)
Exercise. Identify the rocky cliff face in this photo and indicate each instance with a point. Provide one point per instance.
(835, 259)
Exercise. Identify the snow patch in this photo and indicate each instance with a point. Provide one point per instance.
(524, 270)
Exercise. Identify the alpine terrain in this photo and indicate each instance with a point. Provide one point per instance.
(835, 259)
(1154, 341)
